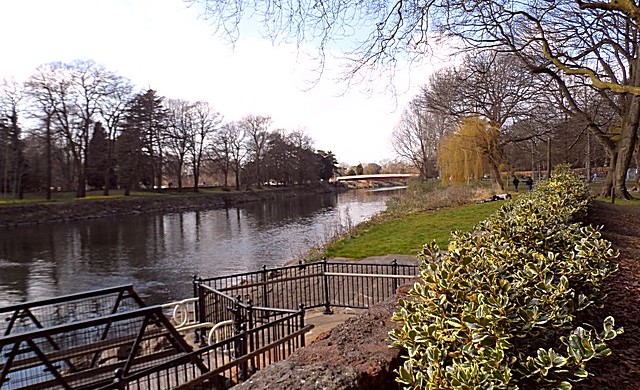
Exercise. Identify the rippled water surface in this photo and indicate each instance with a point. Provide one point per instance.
(158, 254)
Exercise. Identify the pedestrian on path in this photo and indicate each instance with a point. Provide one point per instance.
(515, 182)
(529, 182)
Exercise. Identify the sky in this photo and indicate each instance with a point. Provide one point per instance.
(167, 46)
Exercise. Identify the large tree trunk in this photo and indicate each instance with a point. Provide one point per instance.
(180, 165)
(626, 146)
(637, 165)
(611, 173)
(495, 170)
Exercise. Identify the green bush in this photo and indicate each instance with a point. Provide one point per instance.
(497, 309)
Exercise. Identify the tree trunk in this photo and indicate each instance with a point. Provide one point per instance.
(49, 163)
(638, 166)
(495, 170)
(237, 172)
(180, 175)
(549, 157)
(626, 146)
(107, 172)
(196, 178)
(587, 167)
(608, 181)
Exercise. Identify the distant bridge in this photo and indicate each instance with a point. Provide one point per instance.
(379, 176)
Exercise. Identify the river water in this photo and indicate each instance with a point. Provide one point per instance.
(158, 254)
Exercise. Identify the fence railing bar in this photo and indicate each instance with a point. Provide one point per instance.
(268, 282)
(69, 298)
(382, 276)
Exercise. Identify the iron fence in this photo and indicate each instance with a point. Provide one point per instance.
(28, 316)
(85, 354)
(244, 322)
(319, 284)
(227, 362)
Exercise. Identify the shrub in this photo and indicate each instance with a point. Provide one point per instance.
(497, 309)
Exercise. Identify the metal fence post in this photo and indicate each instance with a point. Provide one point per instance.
(199, 308)
(265, 298)
(325, 285)
(249, 333)
(237, 316)
(241, 350)
(394, 271)
(302, 312)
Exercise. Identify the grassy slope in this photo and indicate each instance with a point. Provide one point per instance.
(407, 234)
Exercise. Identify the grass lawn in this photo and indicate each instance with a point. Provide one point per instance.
(407, 234)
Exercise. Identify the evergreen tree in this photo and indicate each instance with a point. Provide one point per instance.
(98, 158)
(328, 164)
(138, 146)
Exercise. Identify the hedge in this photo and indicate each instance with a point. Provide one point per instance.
(497, 309)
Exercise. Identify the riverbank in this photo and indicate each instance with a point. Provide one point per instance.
(25, 214)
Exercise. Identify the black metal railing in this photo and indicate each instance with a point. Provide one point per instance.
(86, 353)
(267, 336)
(245, 322)
(319, 284)
(28, 316)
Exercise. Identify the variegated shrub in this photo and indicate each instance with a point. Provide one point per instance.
(497, 309)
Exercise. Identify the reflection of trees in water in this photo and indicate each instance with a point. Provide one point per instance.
(159, 253)
(288, 209)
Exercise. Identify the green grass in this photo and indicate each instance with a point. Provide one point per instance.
(407, 234)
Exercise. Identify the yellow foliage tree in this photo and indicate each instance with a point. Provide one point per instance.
(467, 153)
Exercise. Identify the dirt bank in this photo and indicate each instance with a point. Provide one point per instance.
(79, 209)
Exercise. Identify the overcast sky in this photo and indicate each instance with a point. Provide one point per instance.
(166, 46)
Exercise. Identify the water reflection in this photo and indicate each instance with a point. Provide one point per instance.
(158, 254)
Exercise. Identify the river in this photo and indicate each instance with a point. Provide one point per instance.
(158, 254)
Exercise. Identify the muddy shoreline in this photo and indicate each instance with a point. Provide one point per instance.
(55, 212)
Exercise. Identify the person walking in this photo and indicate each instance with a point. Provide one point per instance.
(515, 182)
(529, 182)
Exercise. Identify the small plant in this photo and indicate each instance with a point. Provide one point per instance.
(497, 309)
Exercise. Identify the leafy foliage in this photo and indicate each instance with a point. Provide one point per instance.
(497, 309)
(464, 154)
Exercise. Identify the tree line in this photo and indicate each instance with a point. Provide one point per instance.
(578, 64)
(78, 125)
(490, 116)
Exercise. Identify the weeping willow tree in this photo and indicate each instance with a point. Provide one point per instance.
(469, 152)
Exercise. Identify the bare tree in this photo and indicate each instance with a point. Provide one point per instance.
(112, 109)
(494, 86)
(572, 43)
(589, 42)
(39, 88)
(416, 138)
(13, 161)
(179, 127)
(256, 128)
(220, 152)
(235, 136)
(206, 122)
(71, 97)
